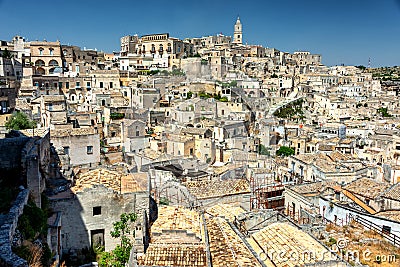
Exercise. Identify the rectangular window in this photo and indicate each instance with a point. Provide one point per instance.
(111, 85)
(60, 85)
(88, 84)
(89, 149)
(78, 85)
(97, 238)
(66, 150)
(67, 85)
(96, 210)
(101, 85)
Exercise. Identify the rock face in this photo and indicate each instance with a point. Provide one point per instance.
(7, 230)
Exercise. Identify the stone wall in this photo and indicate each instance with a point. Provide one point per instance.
(35, 162)
(7, 231)
(10, 153)
(80, 222)
(78, 148)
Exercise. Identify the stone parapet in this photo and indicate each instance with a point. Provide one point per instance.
(7, 231)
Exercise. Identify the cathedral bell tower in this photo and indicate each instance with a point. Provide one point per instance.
(237, 34)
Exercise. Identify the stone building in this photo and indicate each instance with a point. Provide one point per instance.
(8, 95)
(134, 135)
(238, 34)
(51, 109)
(78, 61)
(320, 167)
(179, 145)
(11, 68)
(96, 201)
(154, 50)
(81, 144)
(46, 57)
(24, 160)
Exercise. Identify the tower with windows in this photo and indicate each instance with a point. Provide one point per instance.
(237, 34)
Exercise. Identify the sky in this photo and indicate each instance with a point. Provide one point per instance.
(346, 32)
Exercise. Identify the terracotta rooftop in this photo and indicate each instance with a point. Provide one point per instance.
(226, 247)
(338, 156)
(217, 188)
(226, 167)
(285, 240)
(174, 255)
(227, 211)
(366, 187)
(176, 218)
(311, 188)
(194, 131)
(35, 132)
(117, 181)
(391, 215)
(72, 132)
(393, 192)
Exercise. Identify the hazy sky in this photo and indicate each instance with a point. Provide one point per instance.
(342, 31)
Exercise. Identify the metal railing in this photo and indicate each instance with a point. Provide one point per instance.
(392, 238)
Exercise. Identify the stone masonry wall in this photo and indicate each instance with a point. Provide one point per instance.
(79, 221)
(7, 231)
(10, 153)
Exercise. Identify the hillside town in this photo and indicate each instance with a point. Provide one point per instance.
(205, 151)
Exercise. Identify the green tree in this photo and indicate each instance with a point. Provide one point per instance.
(189, 95)
(384, 112)
(122, 230)
(20, 121)
(285, 151)
(6, 54)
(262, 150)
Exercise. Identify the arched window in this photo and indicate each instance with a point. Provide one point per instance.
(41, 51)
(39, 63)
(51, 51)
(53, 63)
(40, 71)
